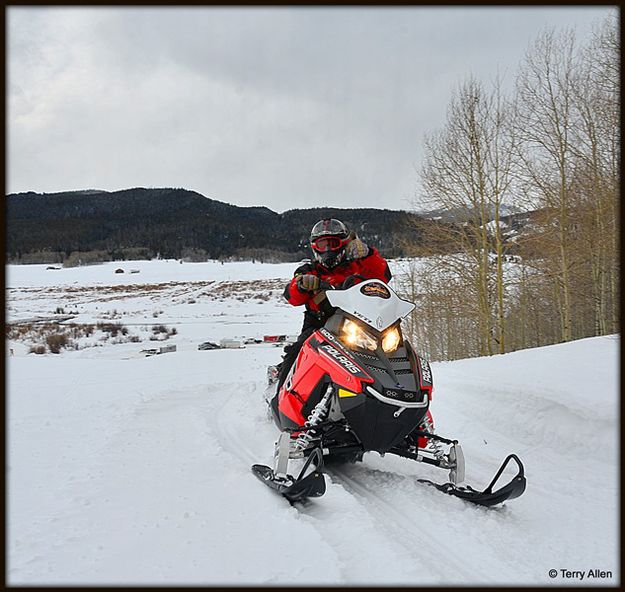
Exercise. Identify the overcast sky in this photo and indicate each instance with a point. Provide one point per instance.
(283, 107)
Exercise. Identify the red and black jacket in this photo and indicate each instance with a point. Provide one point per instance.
(372, 266)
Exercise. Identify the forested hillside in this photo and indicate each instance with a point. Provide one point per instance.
(177, 223)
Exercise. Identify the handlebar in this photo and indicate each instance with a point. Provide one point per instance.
(348, 282)
(324, 286)
(351, 280)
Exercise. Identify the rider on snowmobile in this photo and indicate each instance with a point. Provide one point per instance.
(330, 408)
(337, 255)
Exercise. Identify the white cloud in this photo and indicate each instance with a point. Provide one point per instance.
(284, 107)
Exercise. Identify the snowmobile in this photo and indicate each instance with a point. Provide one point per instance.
(358, 386)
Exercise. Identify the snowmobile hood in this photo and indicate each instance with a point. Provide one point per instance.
(371, 301)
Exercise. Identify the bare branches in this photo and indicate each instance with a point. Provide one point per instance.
(554, 149)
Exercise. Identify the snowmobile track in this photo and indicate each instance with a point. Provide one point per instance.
(393, 521)
(226, 433)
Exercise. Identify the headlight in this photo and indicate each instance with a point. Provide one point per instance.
(352, 335)
(390, 341)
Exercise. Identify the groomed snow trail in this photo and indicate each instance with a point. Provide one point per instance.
(137, 471)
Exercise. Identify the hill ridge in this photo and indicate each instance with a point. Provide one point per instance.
(177, 222)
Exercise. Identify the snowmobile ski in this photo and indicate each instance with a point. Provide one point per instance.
(514, 488)
(313, 485)
(295, 489)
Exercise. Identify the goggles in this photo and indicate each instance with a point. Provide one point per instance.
(328, 243)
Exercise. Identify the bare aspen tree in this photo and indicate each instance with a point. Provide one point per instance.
(598, 151)
(591, 206)
(568, 106)
(467, 170)
(556, 150)
(501, 166)
(546, 119)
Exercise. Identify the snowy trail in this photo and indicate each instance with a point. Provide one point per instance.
(131, 470)
(160, 490)
(343, 523)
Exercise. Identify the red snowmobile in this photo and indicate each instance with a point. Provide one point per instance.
(358, 386)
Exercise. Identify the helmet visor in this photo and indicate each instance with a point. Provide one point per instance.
(324, 244)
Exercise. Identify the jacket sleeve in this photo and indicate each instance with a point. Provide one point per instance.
(292, 293)
(374, 266)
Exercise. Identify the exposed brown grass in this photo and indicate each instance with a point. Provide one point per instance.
(56, 342)
(54, 337)
(112, 328)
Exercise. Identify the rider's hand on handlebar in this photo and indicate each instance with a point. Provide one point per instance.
(308, 282)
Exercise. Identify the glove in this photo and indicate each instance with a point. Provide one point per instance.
(356, 249)
(308, 282)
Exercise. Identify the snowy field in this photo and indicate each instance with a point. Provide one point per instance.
(126, 469)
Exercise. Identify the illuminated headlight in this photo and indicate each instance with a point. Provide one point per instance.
(391, 339)
(353, 336)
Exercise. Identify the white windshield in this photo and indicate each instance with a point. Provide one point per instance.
(373, 302)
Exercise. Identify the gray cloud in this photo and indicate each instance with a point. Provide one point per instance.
(284, 107)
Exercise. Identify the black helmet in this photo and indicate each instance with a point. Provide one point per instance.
(328, 240)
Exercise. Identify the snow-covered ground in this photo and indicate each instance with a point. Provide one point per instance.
(124, 469)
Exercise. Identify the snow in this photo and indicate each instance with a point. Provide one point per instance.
(163, 270)
(492, 226)
(125, 469)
